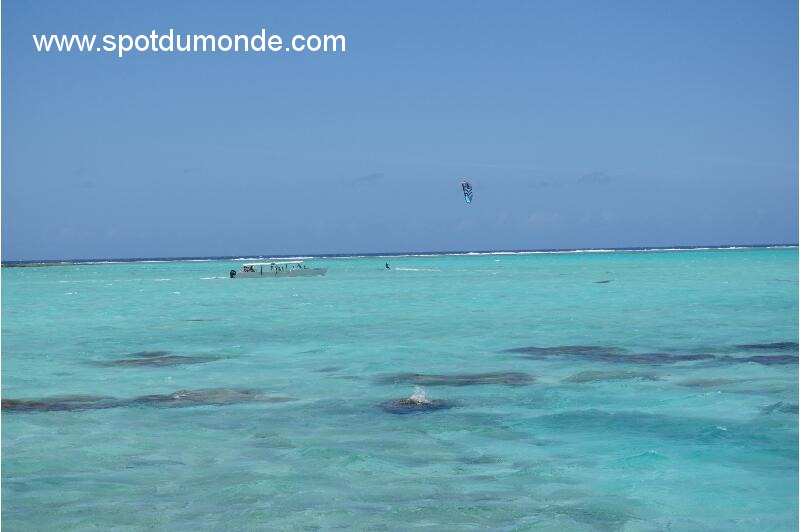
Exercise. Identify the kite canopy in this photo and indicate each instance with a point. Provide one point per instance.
(467, 189)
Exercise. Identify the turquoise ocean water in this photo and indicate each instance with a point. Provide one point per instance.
(662, 399)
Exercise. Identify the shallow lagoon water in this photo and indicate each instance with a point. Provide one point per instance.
(284, 427)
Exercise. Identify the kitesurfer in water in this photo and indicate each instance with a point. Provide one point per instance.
(387, 266)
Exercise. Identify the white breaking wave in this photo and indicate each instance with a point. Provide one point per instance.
(448, 254)
(572, 251)
(419, 396)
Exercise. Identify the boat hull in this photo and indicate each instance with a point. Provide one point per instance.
(305, 272)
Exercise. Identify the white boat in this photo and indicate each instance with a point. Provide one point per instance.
(294, 268)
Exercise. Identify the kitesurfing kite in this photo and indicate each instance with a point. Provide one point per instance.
(467, 188)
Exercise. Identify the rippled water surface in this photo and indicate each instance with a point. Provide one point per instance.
(585, 391)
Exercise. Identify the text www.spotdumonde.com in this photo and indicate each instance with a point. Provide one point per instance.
(170, 42)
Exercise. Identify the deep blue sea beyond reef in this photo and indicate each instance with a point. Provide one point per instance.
(568, 391)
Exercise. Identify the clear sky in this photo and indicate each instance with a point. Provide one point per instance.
(580, 124)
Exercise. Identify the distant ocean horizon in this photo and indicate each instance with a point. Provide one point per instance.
(309, 256)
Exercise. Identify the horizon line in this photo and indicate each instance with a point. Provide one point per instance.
(245, 256)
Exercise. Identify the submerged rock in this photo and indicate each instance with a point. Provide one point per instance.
(577, 350)
(780, 406)
(513, 378)
(148, 354)
(607, 354)
(706, 383)
(662, 358)
(405, 406)
(59, 403)
(417, 403)
(211, 396)
(329, 369)
(157, 360)
(764, 360)
(771, 360)
(775, 346)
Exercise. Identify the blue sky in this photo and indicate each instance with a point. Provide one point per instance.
(580, 124)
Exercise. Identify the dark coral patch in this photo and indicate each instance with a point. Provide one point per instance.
(772, 360)
(662, 358)
(59, 404)
(148, 354)
(182, 398)
(706, 383)
(577, 350)
(158, 360)
(512, 378)
(591, 376)
(607, 354)
(210, 396)
(409, 406)
(780, 406)
(775, 346)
